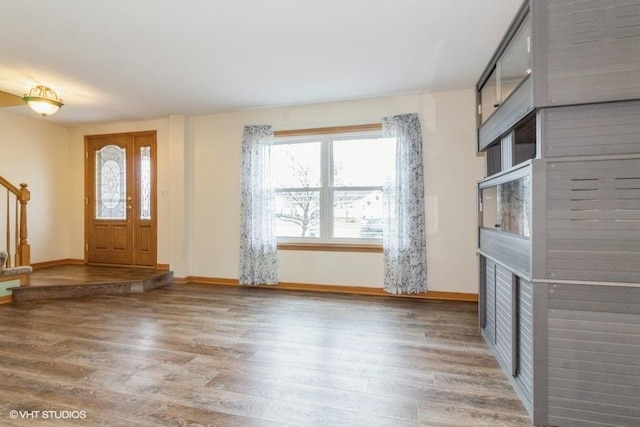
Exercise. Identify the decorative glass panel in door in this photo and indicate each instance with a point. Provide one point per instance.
(111, 182)
(145, 182)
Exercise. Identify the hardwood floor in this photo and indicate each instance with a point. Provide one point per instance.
(232, 356)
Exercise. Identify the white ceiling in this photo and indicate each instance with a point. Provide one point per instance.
(120, 60)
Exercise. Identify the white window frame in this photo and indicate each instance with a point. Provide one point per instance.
(327, 189)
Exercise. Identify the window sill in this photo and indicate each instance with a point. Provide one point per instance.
(330, 247)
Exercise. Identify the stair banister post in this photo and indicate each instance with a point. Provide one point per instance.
(24, 250)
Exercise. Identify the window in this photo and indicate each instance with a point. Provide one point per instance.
(508, 72)
(507, 206)
(329, 186)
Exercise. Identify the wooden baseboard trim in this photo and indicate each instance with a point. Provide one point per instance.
(6, 299)
(357, 290)
(162, 267)
(54, 263)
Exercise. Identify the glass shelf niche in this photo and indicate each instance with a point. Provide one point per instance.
(507, 206)
(524, 141)
(511, 68)
(493, 159)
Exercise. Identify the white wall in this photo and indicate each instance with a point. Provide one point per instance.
(199, 171)
(451, 170)
(36, 152)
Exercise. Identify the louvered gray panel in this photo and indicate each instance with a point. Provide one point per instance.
(504, 323)
(524, 379)
(593, 220)
(594, 355)
(593, 129)
(509, 249)
(514, 108)
(593, 53)
(490, 321)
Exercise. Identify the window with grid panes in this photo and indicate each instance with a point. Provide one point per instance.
(329, 186)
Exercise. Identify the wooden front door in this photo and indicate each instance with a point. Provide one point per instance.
(120, 203)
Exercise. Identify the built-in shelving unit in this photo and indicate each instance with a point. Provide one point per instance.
(558, 114)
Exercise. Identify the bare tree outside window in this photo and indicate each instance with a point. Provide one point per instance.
(297, 176)
(302, 204)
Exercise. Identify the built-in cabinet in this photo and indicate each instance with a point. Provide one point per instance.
(507, 323)
(558, 113)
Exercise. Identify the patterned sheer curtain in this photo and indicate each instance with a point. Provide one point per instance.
(404, 235)
(258, 245)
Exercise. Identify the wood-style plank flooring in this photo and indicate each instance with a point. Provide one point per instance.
(231, 356)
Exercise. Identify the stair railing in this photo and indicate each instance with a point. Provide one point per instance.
(15, 224)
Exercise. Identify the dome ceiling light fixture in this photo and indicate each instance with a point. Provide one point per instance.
(43, 100)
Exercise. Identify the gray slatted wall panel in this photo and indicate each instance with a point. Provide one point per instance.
(593, 53)
(490, 325)
(589, 130)
(525, 340)
(504, 324)
(594, 355)
(593, 220)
